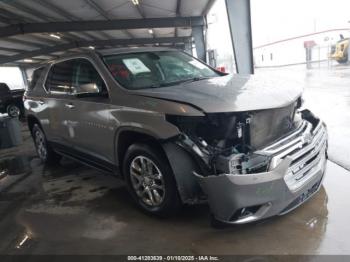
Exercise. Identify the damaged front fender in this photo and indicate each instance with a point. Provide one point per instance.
(183, 164)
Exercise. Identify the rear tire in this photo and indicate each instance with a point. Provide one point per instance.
(150, 180)
(45, 152)
(13, 111)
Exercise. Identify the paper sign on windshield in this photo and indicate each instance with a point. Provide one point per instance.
(136, 66)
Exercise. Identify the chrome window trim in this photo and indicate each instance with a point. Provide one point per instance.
(67, 59)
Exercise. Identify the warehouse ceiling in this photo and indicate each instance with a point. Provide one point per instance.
(32, 31)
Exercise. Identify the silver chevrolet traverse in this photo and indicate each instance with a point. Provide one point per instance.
(180, 132)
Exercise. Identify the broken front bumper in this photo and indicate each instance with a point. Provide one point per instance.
(298, 163)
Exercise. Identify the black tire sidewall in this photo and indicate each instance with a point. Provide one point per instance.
(36, 129)
(171, 202)
(52, 157)
(8, 110)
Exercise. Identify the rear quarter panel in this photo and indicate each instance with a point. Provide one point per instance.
(36, 103)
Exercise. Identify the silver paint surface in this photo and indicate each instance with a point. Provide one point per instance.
(232, 93)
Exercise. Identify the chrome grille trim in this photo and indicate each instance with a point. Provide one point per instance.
(296, 180)
(287, 141)
(294, 147)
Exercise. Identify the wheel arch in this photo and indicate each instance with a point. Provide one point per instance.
(180, 161)
(125, 137)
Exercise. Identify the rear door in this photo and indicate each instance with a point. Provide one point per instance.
(90, 129)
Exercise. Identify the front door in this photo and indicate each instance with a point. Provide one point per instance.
(58, 85)
(88, 115)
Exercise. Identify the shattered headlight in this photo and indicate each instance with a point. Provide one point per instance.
(242, 163)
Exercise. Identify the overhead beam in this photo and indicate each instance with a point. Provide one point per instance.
(241, 34)
(97, 8)
(16, 6)
(104, 14)
(8, 49)
(24, 42)
(118, 24)
(96, 43)
(66, 15)
(14, 17)
(4, 19)
(24, 65)
(141, 12)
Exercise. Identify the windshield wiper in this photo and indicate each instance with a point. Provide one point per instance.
(194, 79)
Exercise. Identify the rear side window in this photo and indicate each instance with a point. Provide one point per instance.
(35, 77)
(59, 79)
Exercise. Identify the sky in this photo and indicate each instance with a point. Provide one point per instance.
(12, 76)
(274, 20)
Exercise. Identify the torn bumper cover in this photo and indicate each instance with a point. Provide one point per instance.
(296, 171)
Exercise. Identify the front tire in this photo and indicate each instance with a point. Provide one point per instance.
(46, 154)
(150, 180)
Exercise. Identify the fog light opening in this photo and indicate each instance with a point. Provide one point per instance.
(245, 212)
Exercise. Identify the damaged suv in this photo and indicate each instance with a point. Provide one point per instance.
(180, 132)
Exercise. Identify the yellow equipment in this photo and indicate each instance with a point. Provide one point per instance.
(339, 51)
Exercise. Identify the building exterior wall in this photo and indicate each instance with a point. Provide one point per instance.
(292, 51)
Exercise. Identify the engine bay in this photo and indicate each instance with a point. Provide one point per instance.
(226, 142)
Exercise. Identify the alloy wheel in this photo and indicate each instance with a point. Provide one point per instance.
(147, 181)
(40, 144)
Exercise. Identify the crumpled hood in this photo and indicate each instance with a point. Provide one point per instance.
(231, 93)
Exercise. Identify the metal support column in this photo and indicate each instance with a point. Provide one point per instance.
(198, 34)
(24, 76)
(188, 47)
(238, 12)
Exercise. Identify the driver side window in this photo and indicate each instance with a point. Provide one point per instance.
(86, 79)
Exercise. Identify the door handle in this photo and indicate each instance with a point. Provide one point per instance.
(70, 106)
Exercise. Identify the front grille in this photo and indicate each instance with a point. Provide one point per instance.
(269, 125)
(306, 148)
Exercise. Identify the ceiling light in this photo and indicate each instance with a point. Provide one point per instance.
(55, 36)
(27, 60)
(91, 47)
(135, 2)
(150, 31)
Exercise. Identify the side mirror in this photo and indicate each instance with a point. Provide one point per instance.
(89, 90)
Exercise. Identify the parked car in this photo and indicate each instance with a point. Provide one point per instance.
(180, 132)
(11, 101)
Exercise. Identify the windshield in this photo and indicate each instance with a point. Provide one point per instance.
(156, 69)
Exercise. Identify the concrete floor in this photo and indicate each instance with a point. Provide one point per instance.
(72, 209)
